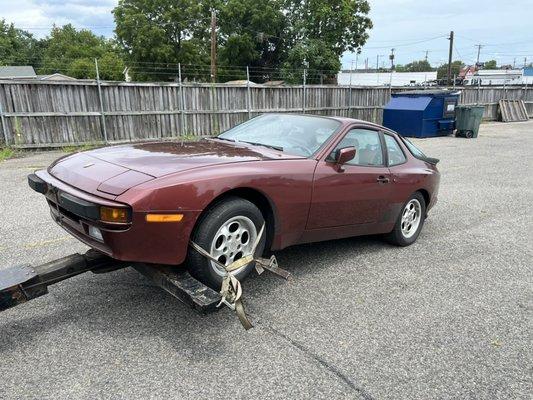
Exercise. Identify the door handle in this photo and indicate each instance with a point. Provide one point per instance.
(383, 179)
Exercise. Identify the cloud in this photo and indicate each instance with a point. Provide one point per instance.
(38, 16)
(399, 23)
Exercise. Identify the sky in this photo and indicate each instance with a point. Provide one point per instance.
(411, 27)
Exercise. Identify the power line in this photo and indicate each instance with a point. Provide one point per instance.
(406, 44)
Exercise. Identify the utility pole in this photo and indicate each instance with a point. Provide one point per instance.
(450, 55)
(351, 71)
(426, 57)
(356, 59)
(514, 63)
(525, 62)
(213, 46)
(479, 46)
(391, 57)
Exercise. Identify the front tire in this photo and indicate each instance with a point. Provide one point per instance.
(410, 221)
(227, 231)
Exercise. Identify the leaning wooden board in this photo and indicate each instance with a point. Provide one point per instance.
(513, 110)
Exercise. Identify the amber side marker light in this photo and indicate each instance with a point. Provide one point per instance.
(164, 217)
(117, 215)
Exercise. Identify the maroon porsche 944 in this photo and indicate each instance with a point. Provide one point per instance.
(305, 178)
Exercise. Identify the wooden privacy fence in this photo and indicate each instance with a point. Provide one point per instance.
(48, 114)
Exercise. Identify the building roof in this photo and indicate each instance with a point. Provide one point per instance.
(22, 71)
(56, 77)
(428, 92)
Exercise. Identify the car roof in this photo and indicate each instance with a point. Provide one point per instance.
(343, 120)
(349, 121)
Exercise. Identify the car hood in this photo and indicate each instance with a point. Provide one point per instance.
(115, 169)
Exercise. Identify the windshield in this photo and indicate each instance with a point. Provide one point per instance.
(299, 135)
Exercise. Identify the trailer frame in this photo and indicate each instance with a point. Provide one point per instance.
(22, 283)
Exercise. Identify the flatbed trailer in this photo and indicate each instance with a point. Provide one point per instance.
(22, 283)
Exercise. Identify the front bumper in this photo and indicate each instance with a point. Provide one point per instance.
(139, 241)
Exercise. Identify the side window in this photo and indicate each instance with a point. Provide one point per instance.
(396, 155)
(367, 145)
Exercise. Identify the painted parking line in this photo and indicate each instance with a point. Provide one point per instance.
(44, 243)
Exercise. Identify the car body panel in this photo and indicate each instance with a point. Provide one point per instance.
(162, 158)
(311, 199)
(350, 197)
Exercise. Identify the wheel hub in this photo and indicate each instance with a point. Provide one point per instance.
(233, 240)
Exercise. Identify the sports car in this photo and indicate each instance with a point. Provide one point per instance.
(305, 178)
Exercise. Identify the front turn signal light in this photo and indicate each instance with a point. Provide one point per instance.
(112, 214)
(164, 217)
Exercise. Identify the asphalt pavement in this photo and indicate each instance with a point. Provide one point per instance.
(449, 317)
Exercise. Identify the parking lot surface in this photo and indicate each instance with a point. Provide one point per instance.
(448, 317)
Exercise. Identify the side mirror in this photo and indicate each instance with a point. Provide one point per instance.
(344, 155)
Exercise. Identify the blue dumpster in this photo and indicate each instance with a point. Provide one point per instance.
(421, 113)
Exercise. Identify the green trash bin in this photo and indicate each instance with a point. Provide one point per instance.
(467, 120)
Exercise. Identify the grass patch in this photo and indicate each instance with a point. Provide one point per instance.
(6, 153)
(83, 147)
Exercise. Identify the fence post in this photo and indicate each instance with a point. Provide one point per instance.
(350, 99)
(454, 79)
(303, 87)
(102, 114)
(504, 89)
(248, 96)
(525, 98)
(213, 114)
(183, 123)
(4, 125)
(478, 90)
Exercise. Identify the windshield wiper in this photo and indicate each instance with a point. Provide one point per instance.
(223, 138)
(270, 146)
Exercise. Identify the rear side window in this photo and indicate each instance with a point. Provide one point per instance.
(396, 155)
(413, 149)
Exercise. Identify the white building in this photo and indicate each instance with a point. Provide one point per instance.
(494, 77)
(499, 77)
(360, 78)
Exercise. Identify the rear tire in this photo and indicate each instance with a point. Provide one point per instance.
(410, 221)
(227, 231)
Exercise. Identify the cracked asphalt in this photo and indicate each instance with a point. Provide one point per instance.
(446, 318)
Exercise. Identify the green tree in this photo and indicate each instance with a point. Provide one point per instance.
(72, 52)
(490, 64)
(251, 33)
(321, 63)
(342, 24)
(156, 35)
(418, 66)
(442, 71)
(18, 47)
(332, 26)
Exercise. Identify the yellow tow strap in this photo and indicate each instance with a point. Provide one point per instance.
(231, 290)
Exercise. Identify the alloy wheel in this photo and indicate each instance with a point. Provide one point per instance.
(411, 217)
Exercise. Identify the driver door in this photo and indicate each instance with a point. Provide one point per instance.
(357, 193)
